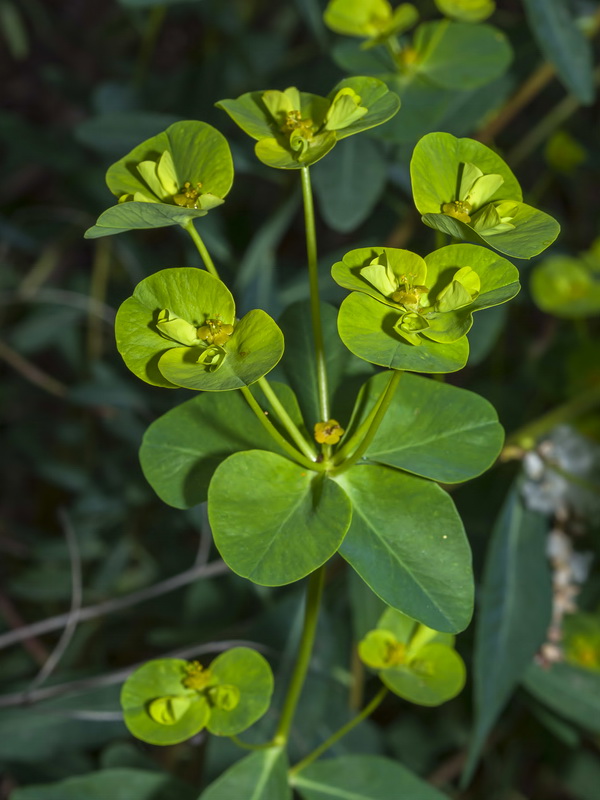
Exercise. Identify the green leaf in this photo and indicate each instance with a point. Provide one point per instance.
(162, 678)
(189, 293)
(563, 43)
(181, 450)
(572, 692)
(251, 674)
(349, 183)
(274, 522)
(366, 327)
(117, 784)
(254, 348)
(448, 434)
(447, 53)
(357, 777)
(407, 542)
(259, 776)
(467, 10)
(516, 604)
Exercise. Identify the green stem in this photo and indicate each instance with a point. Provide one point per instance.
(359, 434)
(204, 254)
(373, 427)
(313, 601)
(286, 420)
(528, 435)
(315, 307)
(335, 737)
(294, 454)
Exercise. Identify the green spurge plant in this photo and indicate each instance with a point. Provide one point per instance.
(289, 488)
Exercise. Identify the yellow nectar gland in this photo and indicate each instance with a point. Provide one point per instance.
(214, 332)
(329, 432)
(293, 122)
(409, 295)
(188, 197)
(459, 209)
(197, 677)
(396, 655)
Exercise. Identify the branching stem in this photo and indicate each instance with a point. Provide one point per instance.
(286, 420)
(375, 418)
(335, 737)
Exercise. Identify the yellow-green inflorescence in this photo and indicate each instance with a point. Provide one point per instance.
(162, 185)
(285, 109)
(211, 336)
(422, 307)
(472, 205)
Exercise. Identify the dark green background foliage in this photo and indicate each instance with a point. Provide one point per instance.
(80, 528)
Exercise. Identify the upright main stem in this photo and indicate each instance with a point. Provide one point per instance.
(311, 615)
(315, 308)
(201, 247)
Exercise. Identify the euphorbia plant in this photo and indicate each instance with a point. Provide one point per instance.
(287, 491)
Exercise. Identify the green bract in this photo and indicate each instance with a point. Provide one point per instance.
(467, 10)
(566, 287)
(295, 129)
(169, 700)
(407, 301)
(372, 19)
(179, 329)
(169, 179)
(464, 189)
(414, 661)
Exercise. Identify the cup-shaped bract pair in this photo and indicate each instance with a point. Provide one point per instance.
(412, 313)
(179, 329)
(464, 189)
(170, 179)
(467, 10)
(296, 129)
(415, 662)
(374, 20)
(170, 700)
(568, 287)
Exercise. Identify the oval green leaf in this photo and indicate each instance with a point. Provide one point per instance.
(259, 776)
(449, 434)
(251, 674)
(447, 52)
(357, 777)
(408, 544)
(182, 449)
(274, 522)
